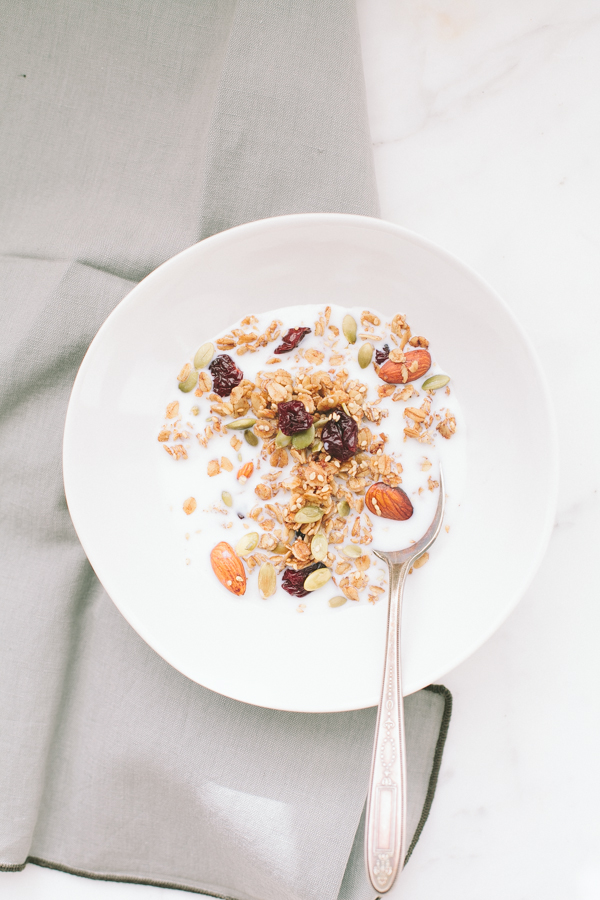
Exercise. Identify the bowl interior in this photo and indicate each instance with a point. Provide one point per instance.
(498, 532)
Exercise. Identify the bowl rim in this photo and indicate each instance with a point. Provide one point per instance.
(543, 535)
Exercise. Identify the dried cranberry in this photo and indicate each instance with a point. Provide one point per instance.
(293, 579)
(226, 375)
(292, 339)
(340, 436)
(382, 355)
(294, 417)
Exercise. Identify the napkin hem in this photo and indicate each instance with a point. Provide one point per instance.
(125, 879)
(437, 762)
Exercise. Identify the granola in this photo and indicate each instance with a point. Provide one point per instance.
(320, 428)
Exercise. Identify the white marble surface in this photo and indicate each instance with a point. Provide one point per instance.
(486, 129)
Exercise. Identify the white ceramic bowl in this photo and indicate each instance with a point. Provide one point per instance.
(265, 654)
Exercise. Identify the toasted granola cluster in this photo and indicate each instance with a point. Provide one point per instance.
(320, 437)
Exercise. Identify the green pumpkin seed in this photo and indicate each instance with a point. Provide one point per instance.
(353, 551)
(241, 424)
(365, 355)
(227, 498)
(247, 544)
(317, 446)
(349, 329)
(302, 439)
(319, 547)
(190, 382)
(317, 579)
(435, 382)
(204, 354)
(308, 514)
(282, 440)
(343, 508)
(267, 580)
(280, 548)
(321, 421)
(337, 601)
(251, 438)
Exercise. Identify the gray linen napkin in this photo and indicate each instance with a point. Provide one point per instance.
(130, 131)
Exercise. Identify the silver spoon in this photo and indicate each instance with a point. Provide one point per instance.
(385, 826)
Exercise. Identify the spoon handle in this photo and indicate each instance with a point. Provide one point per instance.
(385, 826)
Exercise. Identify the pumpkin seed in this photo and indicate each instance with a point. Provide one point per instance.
(352, 550)
(321, 421)
(343, 508)
(337, 601)
(317, 579)
(317, 446)
(251, 438)
(227, 498)
(204, 354)
(241, 424)
(190, 382)
(349, 329)
(282, 440)
(302, 439)
(308, 514)
(267, 580)
(435, 382)
(280, 548)
(247, 544)
(319, 546)
(365, 355)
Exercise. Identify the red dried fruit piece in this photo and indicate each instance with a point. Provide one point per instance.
(340, 436)
(292, 339)
(226, 375)
(382, 355)
(294, 417)
(293, 579)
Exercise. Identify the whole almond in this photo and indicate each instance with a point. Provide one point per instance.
(228, 568)
(400, 372)
(388, 502)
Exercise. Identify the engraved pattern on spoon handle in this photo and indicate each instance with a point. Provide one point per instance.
(386, 805)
